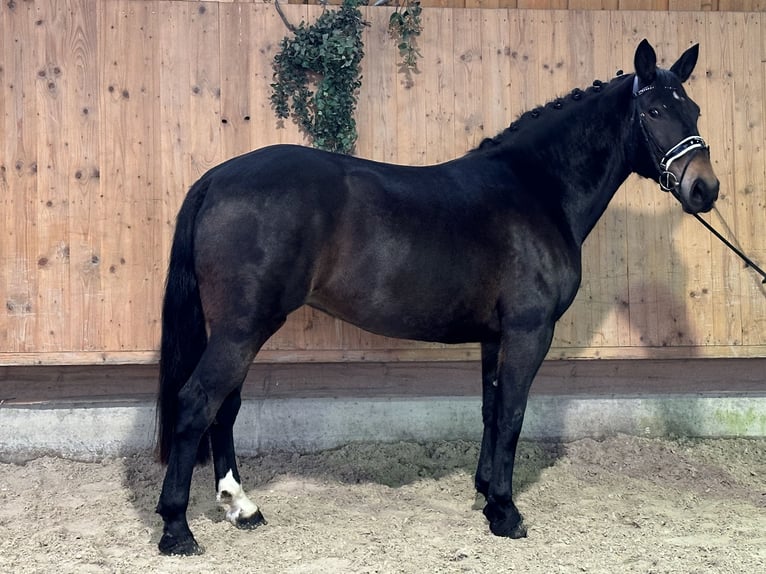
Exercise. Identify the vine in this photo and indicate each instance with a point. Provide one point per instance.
(326, 56)
(405, 26)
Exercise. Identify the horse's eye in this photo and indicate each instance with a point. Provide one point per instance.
(654, 112)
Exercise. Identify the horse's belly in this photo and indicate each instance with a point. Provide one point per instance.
(420, 322)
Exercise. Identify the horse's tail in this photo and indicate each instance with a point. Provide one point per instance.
(184, 337)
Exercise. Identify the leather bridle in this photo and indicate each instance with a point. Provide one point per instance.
(667, 180)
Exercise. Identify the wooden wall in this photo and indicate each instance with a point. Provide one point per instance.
(653, 5)
(109, 109)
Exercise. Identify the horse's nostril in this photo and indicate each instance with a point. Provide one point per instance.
(698, 192)
(702, 195)
(702, 192)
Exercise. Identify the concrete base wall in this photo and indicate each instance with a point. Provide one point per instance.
(305, 425)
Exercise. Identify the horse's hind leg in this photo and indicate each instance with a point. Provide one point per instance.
(221, 371)
(240, 510)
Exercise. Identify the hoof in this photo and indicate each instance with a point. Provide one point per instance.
(505, 522)
(251, 522)
(502, 528)
(171, 546)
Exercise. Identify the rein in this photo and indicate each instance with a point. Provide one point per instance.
(748, 262)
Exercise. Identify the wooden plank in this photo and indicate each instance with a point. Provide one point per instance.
(496, 71)
(52, 250)
(524, 63)
(376, 107)
(571, 64)
(652, 5)
(681, 321)
(611, 321)
(130, 145)
(18, 177)
(289, 131)
(740, 5)
(174, 117)
(415, 354)
(439, 84)
(266, 32)
(675, 324)
(120, 383)
(487, 4)
(749, 168)
(235, 54)
(205, 104)
(695, 5)
(717, 93)
(641, 224)
(80, 128)
(411, 111)
(468, 81)
(542, 4)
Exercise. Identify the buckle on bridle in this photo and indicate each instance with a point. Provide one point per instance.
(668, 181)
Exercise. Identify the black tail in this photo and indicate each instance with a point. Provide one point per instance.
(183, 326)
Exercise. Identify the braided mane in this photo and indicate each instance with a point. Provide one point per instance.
(528, 118)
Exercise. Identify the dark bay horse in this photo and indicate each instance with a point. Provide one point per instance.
(485, 248)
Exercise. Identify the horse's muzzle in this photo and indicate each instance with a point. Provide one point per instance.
(701, 196)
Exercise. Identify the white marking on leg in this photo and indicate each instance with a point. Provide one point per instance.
(234, 500)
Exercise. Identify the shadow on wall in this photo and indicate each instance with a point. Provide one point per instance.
(652, 305)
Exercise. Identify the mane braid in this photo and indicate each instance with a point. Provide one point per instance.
(528, 117)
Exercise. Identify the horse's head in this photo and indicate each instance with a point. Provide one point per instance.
(675, 154)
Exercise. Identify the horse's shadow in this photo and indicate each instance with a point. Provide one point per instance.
(655, 307)
(394, 465)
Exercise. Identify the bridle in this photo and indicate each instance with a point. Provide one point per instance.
(667, 180)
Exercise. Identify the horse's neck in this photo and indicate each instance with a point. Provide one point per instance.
(585, 157)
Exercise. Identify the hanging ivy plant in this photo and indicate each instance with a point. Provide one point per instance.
(317, 76)
(405, 26)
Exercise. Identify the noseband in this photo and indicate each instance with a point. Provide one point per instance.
(668, 180)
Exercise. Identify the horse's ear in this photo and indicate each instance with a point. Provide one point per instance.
(645, 62)
(684, 67)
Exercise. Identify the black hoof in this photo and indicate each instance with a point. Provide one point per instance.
(505, 522)
(252, 522)
(171, 546)
(506, 530)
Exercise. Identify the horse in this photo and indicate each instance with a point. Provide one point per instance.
(484, 248)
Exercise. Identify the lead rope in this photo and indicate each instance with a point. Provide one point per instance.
(727, 243)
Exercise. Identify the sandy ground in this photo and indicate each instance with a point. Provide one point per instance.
(621, 505)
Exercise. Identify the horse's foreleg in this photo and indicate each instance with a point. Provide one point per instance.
(240, 510)
(521, 354)
(489, 354)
